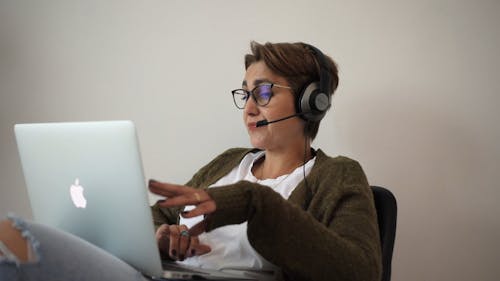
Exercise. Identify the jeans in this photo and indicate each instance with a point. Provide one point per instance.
(56, 255)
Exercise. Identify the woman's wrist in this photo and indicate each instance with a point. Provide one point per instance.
(233, 203)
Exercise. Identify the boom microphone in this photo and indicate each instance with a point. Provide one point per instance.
(265, 122)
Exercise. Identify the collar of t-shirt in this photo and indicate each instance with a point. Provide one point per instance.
(284, 184)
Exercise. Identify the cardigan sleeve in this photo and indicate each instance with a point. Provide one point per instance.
(335, 238)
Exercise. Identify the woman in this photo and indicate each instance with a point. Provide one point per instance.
(281, 206)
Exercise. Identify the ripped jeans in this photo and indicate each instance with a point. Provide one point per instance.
(57, 255)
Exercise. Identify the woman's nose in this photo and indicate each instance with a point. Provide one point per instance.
(251, 106)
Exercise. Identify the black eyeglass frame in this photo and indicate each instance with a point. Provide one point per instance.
(252, 93)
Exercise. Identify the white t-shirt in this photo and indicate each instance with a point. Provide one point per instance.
(230, 246)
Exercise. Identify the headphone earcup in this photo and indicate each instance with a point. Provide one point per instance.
(313, 103)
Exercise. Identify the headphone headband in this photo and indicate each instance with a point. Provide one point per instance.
(314, 99)
(324, 75)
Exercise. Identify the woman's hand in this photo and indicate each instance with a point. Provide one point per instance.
(180, 195)
(175, 240)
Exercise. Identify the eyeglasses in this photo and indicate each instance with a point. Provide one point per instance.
(261, 94)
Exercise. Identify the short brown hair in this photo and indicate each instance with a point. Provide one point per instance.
(297, 63)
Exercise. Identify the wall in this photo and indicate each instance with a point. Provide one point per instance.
(416, 104)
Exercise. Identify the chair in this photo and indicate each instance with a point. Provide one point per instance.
(385, 204)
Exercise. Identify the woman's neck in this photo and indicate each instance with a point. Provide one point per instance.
(276, 163)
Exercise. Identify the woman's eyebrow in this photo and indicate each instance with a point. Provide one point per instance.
(256, 82)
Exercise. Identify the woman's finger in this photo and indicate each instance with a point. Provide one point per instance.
(166, 189)
(180, 200)
(191, 197)
(202, 249)
(184, 239)
(196, 248)
(191, 251)
(174, 242)
(162, 237)
(204, 208)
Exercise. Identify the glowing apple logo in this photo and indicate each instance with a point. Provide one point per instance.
(76, 192)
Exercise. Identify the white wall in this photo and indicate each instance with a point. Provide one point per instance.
(416, 104)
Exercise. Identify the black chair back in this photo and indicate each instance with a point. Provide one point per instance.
(387, 210)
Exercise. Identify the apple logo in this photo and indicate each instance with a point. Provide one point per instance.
(76, 192)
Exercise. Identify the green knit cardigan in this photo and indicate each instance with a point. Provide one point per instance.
(326, 230)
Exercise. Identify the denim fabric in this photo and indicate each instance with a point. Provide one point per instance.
(57, 255)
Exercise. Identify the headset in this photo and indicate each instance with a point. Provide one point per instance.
(314, 98)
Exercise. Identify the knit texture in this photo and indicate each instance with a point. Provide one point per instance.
(326, 230)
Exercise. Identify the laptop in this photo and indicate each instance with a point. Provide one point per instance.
(86, 178)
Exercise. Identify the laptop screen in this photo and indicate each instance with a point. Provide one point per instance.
(86, 178)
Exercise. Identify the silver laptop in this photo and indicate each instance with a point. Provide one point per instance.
(86, 178)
